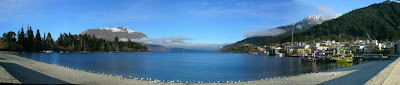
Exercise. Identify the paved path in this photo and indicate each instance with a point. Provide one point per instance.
(28, 71)
(28, 76)
(5, 77)
(388, 76)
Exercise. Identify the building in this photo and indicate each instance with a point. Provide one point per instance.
(308, 51)
(396, 48)
(371, 47)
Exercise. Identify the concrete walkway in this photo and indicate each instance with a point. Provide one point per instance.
(388, 76)
(28, 76)
(28, 71)
(5, 77)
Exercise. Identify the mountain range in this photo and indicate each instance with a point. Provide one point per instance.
(110, 33)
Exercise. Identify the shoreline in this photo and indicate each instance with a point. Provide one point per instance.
(82, 77)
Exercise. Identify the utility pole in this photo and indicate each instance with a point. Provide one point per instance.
(292, 32)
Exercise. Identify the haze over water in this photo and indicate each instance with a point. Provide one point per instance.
(191, 66)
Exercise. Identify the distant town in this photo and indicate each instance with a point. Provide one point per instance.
(328, 50)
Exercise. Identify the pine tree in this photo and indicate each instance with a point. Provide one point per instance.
(21, 36)
(116, 43)
(38, 41)
(29, 44)
(49, 41)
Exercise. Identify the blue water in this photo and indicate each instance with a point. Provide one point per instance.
(196, 66)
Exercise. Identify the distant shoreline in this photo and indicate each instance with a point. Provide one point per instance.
(82, 77)
(12, 52)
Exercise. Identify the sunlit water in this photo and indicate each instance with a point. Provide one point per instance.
(195, 66)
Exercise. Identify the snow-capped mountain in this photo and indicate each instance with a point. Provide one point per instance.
(303, 24)
(110, 33)
(119, 29)
(318, 19)
(309, 21)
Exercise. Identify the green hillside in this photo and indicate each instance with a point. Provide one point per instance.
(381, 21)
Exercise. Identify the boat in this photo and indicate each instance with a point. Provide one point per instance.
(335, 58)
(346, 59)
(279, 54)
(307, 58)
(342, 59)
(48, 51)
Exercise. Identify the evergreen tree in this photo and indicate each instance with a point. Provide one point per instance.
(38, 41)
(116, 43)
(49, 41)
(21, 36)
(29, 40)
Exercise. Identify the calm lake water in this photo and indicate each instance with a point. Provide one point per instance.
(195, 66)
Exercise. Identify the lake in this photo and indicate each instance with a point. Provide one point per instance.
(191, 66)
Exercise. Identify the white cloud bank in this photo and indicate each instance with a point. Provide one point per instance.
(326, 13)
(264, 32)
(179, 42)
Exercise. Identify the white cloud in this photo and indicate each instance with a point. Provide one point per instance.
(179, 42)
(264, 32)
(299, 26)
(325, 10)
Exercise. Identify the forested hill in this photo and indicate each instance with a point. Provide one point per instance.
(381, 21)
(22, 41)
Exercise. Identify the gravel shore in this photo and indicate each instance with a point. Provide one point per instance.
(358, 74)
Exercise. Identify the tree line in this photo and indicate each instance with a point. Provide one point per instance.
(22, 41)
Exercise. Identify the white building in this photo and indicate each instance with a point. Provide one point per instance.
(329, 43)
(370, 47)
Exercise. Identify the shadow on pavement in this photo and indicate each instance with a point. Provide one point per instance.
(359, 77)
(28, 76)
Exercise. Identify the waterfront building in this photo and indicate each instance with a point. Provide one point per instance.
(396, 48)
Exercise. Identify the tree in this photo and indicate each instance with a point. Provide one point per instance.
(3, 45)
(60, 40)
(9, 37)
(116, 43)
(49, 41)
(38, 41)
(21, 36)
(29, 43)
(44, 45)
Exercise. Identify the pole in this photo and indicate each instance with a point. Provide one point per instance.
(292, 32)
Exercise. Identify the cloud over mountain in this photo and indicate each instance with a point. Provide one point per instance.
(305, 23)
(179, 42)
(264, 32)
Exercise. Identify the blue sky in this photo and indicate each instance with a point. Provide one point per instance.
(205, 21)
